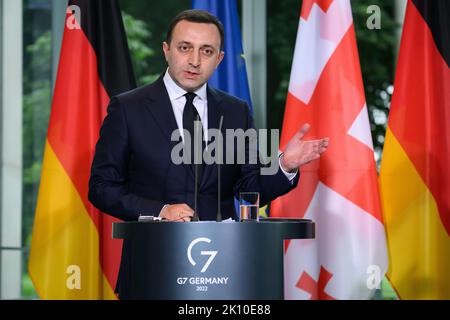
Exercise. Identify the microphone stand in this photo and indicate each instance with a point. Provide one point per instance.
(219, 153)
(197, 128)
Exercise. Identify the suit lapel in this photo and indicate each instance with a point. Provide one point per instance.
(161, 109)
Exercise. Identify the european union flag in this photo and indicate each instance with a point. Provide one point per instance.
(231, 75)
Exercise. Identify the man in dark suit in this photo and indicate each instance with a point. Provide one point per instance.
(133, 172)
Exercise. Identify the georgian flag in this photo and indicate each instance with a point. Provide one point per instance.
(339, 192)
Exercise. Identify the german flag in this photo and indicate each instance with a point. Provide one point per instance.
(415, 170)
(72, 253)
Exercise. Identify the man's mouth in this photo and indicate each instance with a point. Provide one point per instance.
(191, 75)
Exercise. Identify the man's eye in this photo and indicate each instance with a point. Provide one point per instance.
(208, 52)
(183, 48)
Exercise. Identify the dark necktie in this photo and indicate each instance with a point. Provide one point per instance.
(190, 116)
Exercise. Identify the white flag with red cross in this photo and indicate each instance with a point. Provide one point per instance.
(339, 192)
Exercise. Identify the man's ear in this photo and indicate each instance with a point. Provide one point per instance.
(220, 58)
(166, 49)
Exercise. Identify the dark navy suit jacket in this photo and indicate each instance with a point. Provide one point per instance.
(132, 172)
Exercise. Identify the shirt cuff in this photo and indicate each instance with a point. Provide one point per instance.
(290, 175)
(162, 209)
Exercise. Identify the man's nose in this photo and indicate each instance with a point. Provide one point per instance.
(194, 58)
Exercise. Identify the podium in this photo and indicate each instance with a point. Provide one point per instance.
(208, 260)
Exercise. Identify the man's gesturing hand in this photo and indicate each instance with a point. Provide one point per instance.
(177, 212)
(299, 152)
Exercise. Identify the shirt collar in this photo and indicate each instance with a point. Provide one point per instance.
(175, 91)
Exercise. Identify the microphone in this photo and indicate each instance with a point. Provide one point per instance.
(197, 134)
(219, 152)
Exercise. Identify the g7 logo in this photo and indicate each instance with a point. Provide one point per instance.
(211, 254)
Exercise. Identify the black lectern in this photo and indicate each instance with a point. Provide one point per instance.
(208, 260)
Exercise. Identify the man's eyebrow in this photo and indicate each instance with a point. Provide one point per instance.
(190, 44)
(184, 42)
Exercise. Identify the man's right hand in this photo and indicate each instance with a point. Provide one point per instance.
(180, 212)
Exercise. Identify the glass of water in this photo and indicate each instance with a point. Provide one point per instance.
(249, 206)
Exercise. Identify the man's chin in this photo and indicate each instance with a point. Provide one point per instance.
(191, 86)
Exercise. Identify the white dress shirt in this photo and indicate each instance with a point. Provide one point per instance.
(178, 101)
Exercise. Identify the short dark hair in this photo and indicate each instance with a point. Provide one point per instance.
(199, 16)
